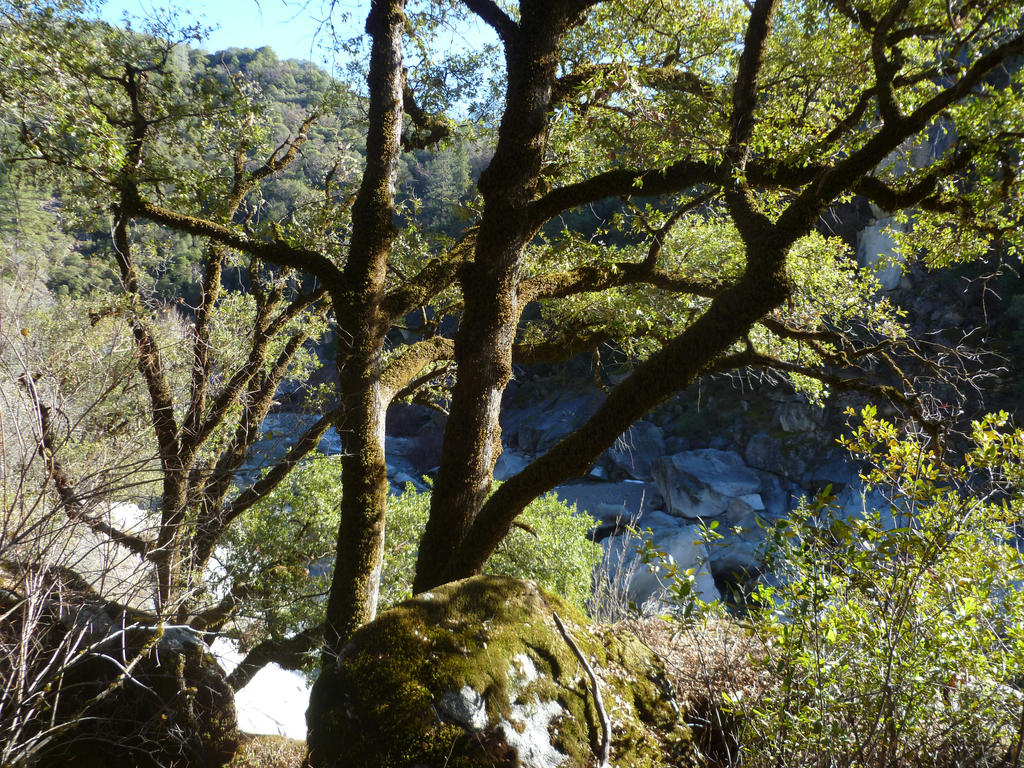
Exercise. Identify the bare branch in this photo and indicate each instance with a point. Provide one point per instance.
(492, 15)
(66, 488)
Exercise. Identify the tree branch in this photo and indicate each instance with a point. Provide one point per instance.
(208, 535)
(408, 364)
(846, 173)
(494, 17)
(557, 352)
(665, 78)
(65, 487)
(429, 129)
(277, 252)
(216, 616)
(438, 273)
(287, 653)
(744, 93)
(623, 182)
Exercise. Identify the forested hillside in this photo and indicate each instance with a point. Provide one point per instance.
(434, 184)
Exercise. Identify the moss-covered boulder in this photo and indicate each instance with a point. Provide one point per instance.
(95, 685)
(173, 708)
(477, 673)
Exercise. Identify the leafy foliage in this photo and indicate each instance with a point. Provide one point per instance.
(893, 638)
(282, 549)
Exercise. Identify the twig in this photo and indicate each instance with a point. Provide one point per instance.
(1020, 739)
(606, 726)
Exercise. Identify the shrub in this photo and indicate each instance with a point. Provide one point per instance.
(898, 643)
(282, 548)
(893, 638)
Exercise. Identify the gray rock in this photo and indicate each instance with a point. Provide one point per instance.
(855, 501)
(608, 501)
(837, 471)
(464, 707)
(677, 444)
(735, 556)
(702, 484)
(776, 497)
(549, 421)
(641, 582)
(765, 452)
(798, 417)
(636, 449)
(508, 464)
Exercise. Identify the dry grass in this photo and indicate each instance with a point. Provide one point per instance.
(712, 668)
(262, 751)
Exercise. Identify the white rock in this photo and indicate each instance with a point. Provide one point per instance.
(528, 727)
(274, 701)
(641, 582)
(464, 707)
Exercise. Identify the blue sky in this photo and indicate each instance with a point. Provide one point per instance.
(290, 28)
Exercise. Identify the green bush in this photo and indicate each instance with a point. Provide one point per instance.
(282, 549)
(898, 645)
(882, 643)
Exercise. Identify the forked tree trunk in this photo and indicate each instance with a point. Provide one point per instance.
(483, 346)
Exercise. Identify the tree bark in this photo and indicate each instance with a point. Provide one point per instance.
(361, 327)
(483, 346)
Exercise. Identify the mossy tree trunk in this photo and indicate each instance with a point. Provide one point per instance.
(490, 284)
(361, 328)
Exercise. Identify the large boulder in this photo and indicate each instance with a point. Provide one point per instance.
(173, 707)
(476, 673)
(543, 424)
(649, 583)
(636, 450)
(703, 484)
(104, 685)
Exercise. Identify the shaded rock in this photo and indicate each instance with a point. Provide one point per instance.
(703, 483)
(765, 452)
(777, 499)
(642, 582)
(736, 560)
(416, 455)
(636, 449)
(176, 707)
(508, 464)
(609, 502)
(799, 417)
(476, 673)
(837, 471)
(546, 423)
(118, 688)
(409, 419)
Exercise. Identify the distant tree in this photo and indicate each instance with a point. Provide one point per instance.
(730, 129)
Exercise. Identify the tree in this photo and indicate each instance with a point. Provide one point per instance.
(85, 377)
(729, 129)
